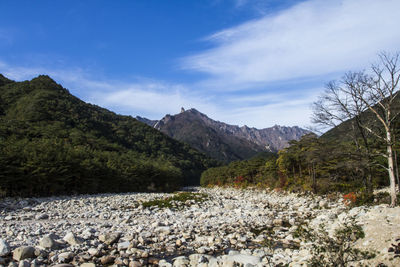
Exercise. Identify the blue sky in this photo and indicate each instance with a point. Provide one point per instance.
(249, 62)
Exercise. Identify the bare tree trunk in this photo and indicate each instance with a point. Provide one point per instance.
(391, 169)
(314, 182)
(300, 170)
(396, 166)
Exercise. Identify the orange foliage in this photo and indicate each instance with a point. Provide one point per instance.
(349, 198)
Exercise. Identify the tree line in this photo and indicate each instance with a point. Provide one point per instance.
(359, 152)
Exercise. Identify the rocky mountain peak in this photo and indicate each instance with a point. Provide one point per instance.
(222, 140)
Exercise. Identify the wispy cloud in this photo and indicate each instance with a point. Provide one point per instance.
(266, 109)
(143, 97)
(152, 99)
(313, 38)
(263, 72)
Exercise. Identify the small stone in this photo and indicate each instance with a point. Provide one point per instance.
(84, 257)
(135, 264)
(153, 261)
(24, 263)
(93, 251)
(41, 216)
(73, 240)
(245, 259)
(4, 248)
(48, 242)
(110, 238)
(181, 261)
(164, 229)
(41, 253)
(24, 252)
(323, 203)
(36, 263)
(88, 264)
(2, 261)
(65, 256)
(107, 259)
(123, 245)
(119, 261)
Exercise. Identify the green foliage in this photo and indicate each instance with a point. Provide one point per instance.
(256, 171)
(311, 164)
(53, 143)
(336, 250)
(177, 200)
(324, 166)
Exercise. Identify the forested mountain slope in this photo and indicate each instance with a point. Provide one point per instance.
(53, 143)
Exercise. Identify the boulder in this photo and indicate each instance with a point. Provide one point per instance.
(24, 252)
(4, 248)
(244, 259)
(73, 240)
(48, 242)
(123, 245)
(110, 238)
(181, 261)
(106, 260)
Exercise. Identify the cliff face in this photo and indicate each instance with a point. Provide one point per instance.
(223, 141)
(147, 121)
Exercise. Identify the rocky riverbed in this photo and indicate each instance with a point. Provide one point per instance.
(229, 227)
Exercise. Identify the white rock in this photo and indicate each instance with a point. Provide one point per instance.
(71, 239)
(123, 245)
(48, 242)
(42, 216)
(93, 251)
(244, 259)
(4, 248)
(65, 256)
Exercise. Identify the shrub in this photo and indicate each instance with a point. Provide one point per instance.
(350, 199)
(336, 250)
(176, 201)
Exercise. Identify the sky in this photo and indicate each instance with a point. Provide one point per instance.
(244, 62)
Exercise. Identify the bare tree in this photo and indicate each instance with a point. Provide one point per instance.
(358, 92)
(337, 105)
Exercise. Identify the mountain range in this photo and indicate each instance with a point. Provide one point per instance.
(224, 141)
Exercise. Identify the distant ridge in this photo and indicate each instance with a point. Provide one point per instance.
(223, 141)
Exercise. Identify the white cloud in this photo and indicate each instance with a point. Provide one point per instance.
(153, 99)
(267, 109)
(266, 70)
(143, 97)
(313, 38)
